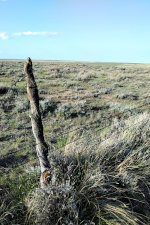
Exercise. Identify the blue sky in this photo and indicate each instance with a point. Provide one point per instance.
(80, 30)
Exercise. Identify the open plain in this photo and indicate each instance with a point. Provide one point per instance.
(96, 119)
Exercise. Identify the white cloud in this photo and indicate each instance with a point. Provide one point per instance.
(30, 33)
(3, 35)
(3, 0)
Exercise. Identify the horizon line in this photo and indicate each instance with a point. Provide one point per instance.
(84, 61)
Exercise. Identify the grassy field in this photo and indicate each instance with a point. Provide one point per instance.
(96, 119)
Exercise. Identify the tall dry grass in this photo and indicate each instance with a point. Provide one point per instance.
(110, 185)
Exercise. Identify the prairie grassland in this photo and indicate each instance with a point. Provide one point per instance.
(96, 119)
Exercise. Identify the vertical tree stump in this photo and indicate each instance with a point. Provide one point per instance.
(37, 126)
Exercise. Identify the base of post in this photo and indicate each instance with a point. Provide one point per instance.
(46, 177)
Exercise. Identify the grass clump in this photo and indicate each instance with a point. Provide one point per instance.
(107, 186)
(48, 105)
(14, 187)
(22, 105)
(129, 96)
(86, 75)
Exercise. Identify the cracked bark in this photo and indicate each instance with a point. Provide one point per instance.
(36, 121)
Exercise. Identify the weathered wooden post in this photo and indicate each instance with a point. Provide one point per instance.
(36, 121)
